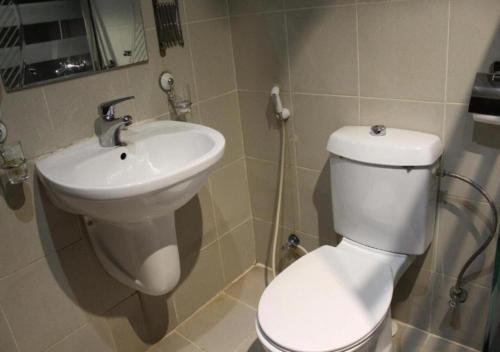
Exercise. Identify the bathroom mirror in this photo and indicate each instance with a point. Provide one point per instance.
(44, 41)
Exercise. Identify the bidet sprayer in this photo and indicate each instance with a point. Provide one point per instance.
(281, 112)
(458, 294)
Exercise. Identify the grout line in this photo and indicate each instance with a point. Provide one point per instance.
(188, 340)
(185, 321)
(358, 63)
(242, 135)
(306, 8)
(230, 163)
(237, 300)
(428, 333)
(69, 335)
(47, 109)
(257, 13)
(403, 100)
(205, 20)
(191, 59)
(235, 227)
(9, 327)
(270, 162)
(308, 169)
(243, 90)
(216, 296)
(217, 96)
(291, 141)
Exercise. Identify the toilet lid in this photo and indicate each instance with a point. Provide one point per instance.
(328, 300)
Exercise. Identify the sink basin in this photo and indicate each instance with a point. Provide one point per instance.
(128, 195)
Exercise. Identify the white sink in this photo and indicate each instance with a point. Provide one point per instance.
(129, 195)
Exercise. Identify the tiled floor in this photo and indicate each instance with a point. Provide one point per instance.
(226, 324)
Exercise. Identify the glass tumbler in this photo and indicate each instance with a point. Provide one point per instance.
(12, 161)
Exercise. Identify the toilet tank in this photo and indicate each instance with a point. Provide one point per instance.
(384, 185)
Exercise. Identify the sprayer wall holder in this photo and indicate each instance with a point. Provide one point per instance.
(180, 104)
(3, 133)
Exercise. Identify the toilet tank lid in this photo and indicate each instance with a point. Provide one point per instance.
(396, 148)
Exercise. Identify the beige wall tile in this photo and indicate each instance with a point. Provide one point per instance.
(396, 59)
(39, 305)
(292, 4)
(471, 149)
(21, 241)
(148, 16)
(422, 117)
(201, 280)
(474, 44)
(212, 57)
(90, 338)
(55, 227)
(263, 178)
(261, 130)
(322, 46)
(223, 114)
(150, 101)
(128, 326)
(231, 196)
(7, 343)
(204, 10)
(210, 326)
(260, 51)
(463, 227)
(26, 116)
(94, 289)
(315, 202)
(240, 7)
(238, 251)
(412, 297)
(75, 117)
(32, 227)
(195, 224)
(263, 241)
(467, 323)
(174, 343)
(249, 288)
(316, 117)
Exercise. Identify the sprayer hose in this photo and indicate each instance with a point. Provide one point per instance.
(480, 189)
(280, 197)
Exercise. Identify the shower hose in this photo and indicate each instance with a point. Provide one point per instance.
(276, 229)
(458, 294)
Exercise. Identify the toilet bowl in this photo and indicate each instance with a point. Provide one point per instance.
(332, 299)
(384, 185)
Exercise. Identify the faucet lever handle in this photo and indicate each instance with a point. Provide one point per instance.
(108, 108)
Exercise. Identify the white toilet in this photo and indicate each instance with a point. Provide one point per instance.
(384, 191)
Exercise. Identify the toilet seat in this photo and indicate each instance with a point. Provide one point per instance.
(332, 299)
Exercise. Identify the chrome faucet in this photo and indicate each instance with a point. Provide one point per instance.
(109, 127)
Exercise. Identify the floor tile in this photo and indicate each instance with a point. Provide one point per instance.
(249, 288)
(174, 343)
(221, 326)
(250, 344)
(435, 343)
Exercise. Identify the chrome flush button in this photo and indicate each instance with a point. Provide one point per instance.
(378, 130)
